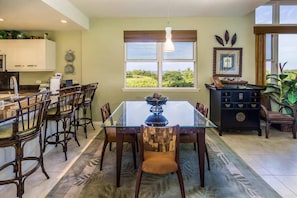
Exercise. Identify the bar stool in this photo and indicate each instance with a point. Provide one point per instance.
(87, 97)
(29, 119)
(64, 112)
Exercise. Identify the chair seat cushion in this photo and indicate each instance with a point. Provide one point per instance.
(279, 116)
(53, 111)
(159, 162)
(5, 131)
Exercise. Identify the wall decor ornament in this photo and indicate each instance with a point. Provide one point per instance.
(226, 39)
(69, 58)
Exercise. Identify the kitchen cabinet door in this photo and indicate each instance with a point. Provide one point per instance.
(29, 55)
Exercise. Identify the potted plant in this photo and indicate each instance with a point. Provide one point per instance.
(282, 86)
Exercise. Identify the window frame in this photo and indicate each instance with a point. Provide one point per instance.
(274, 29)
(159, 38)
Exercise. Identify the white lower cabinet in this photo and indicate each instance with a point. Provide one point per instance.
(27, 55)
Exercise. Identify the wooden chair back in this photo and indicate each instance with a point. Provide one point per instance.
(88, 92)
(30, 115)
(159, 139)
(69, 89)
(67, 103)
(202, 108)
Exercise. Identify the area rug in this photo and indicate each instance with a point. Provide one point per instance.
(229, 175)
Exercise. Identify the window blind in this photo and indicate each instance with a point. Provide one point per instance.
(159, 36)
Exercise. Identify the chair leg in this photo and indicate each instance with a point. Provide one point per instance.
(102, 153)
(136, 142)
(76, 122)
(138, 181)
(74, 132)
(194, 144)
(294, 130)
(110, 146)
(207, 157)
(91, 117)
(134, 154)
(41, 157)
(65, 140)
(57, 133)
(267, 129)
(181, 182)
(45, 135)
(85, 121)
(19, 172)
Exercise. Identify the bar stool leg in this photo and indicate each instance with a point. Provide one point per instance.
(85, 121)
(91, 117)
(41, 157)
(74, 132)
(18, 154)
(45, 135)
(65, 140)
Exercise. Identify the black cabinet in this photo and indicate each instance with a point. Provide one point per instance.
(235, 108)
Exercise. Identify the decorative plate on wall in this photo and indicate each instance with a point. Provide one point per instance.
(69, 69)
(69, 56)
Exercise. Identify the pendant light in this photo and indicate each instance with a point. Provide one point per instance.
(168, 45)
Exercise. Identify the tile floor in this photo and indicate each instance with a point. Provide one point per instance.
(274, 159)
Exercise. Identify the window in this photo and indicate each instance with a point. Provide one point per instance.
(287, 14)
(280, 47)
(264, 14)
(147, 66)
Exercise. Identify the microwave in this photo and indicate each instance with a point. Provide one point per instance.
(2, 62)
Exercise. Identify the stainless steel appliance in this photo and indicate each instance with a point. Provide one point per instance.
(2, 62)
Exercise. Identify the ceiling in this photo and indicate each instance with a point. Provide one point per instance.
(46, 14)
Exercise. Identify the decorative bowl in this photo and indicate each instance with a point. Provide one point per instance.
(156, 101)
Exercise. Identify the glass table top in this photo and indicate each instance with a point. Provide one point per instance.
(136, 113)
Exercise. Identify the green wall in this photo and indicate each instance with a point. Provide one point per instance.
(100, 54)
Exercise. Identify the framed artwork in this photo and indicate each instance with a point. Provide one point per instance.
(227, 62)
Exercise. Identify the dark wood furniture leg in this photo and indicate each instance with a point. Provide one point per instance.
(119, 149)
(201, 151)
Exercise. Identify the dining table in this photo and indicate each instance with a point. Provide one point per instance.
(130, 115)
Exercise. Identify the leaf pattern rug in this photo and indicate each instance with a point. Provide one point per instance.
(229, 176)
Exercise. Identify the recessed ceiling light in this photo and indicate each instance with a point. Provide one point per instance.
(63, 21)
(1, 19)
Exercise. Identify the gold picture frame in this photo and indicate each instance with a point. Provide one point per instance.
(227, 62)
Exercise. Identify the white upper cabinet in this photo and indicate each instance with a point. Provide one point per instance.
(27, 55)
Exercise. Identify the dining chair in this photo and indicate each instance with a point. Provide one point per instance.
(110, 135)
(159, 153)
(282, 114)
(191, 137)
(62, 111)
(85, 103)
(26, 128)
